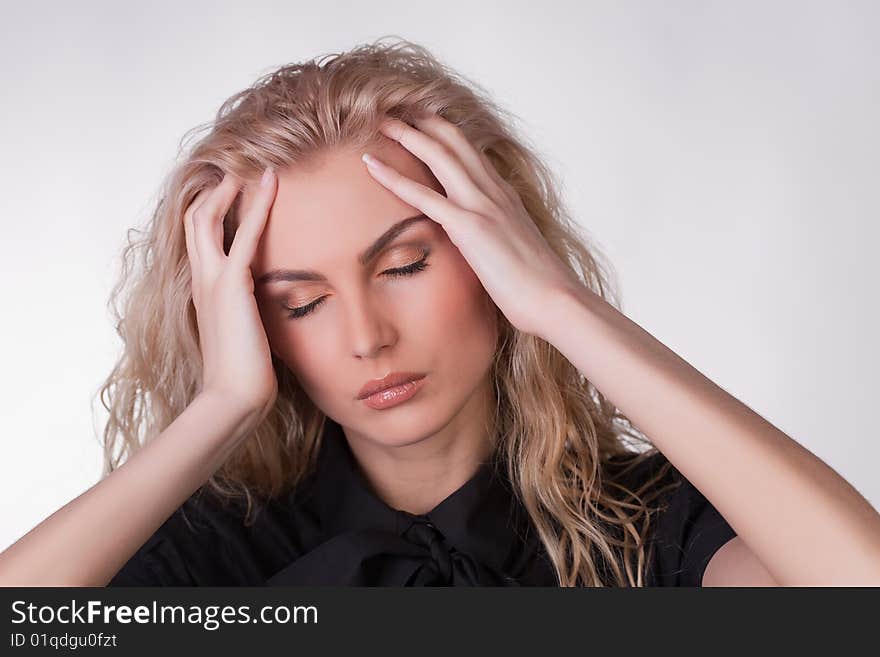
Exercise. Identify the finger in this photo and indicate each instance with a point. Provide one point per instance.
(247, 236)
(455, 140)
(443, 163)
(508, 189)
(208, 222)
(423, 198)
(189, 235)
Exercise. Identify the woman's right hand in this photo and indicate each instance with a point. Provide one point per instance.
(237, 362)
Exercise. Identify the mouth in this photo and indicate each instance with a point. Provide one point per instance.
(393, 395)
(391, 380)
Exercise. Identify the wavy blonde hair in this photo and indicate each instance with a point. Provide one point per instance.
(555, 431)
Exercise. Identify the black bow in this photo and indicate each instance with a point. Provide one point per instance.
(369, 557)
(477, 536)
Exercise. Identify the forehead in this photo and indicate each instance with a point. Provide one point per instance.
(331, 205)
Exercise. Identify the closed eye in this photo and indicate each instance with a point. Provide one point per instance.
(408, 270)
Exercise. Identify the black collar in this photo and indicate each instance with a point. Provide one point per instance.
(481, 526)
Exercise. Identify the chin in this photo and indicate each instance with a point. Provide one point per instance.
(406, 424)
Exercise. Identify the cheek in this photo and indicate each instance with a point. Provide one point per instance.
(308, 364)
(452, 312)
(286, 343)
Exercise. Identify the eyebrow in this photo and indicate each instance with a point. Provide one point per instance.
(365, 258)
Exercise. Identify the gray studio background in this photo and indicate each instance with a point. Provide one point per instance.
(722, 154)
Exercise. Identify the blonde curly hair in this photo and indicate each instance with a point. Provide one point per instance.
(560, 439)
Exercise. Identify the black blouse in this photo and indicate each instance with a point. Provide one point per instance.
(333, 530)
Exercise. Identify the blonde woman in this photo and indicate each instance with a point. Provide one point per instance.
(365, 344)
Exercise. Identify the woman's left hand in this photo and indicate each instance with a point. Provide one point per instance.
(483, 216)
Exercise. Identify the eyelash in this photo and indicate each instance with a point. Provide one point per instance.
(408, 270)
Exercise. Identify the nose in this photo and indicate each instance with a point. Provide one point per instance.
(369, 328)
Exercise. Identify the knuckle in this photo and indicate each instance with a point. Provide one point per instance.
(508, 188)
(197, 201)
(444, 150)
(475, 218)
(485, 206)
(438, 120)
(452, 130)
(200, 215)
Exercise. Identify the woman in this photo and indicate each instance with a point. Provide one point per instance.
(411, 242)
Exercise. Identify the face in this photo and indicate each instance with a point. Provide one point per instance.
(415, 305)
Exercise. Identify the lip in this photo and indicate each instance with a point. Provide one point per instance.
(388, 381)
(390, 397)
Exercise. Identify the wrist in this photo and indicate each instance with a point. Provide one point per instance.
(235, 412)
(564, 306)
(571, 314)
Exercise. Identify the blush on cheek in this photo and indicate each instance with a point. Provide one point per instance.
(286, 348)
(459, 306)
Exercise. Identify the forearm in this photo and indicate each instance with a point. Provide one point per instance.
(88, 540)
(805, 522)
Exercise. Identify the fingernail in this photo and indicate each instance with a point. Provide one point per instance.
(267, 177)
(370, 160)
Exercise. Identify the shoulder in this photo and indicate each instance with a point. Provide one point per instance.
(186, 550)
(207, 542)
(685, 531)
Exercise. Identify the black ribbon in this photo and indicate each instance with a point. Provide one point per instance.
(478, 536)
(368, 557)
